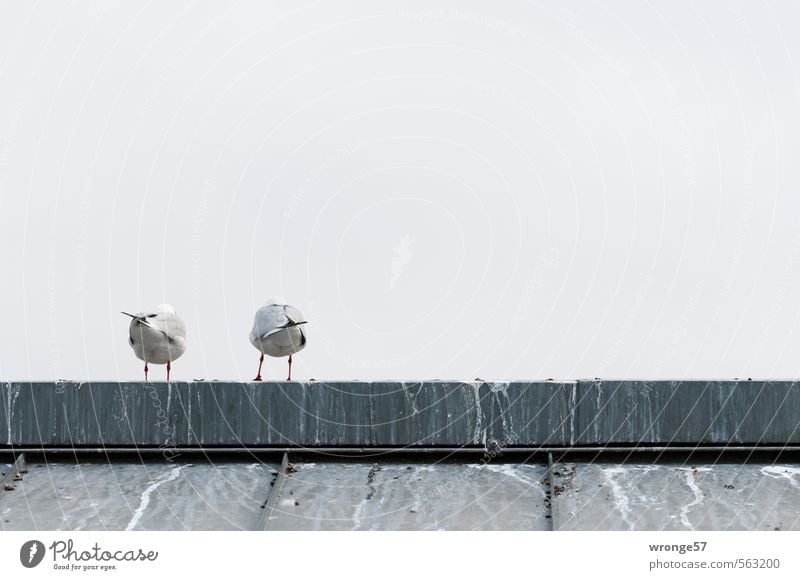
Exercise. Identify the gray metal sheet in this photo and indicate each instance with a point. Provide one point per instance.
(281, 413)
(529, 414)
(676, 497)
(5, 411)
(152, 496)
(681, 412)
(427, 413)
(755, 411)
(395, 496)
(432, 413)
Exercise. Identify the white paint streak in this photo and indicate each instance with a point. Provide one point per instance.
(499, 387)
(620, 497)
(8, 412)
(357, 513)
(782, 472)
(476, 436)
(412, 401)
(598, 406)
(415, 476)
(573, 407)
(698, 495)
(11, 402)
(500, 392)
(508, 470)
(189, 418)
(171, 475)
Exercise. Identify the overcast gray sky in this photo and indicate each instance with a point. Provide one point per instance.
(444, 189)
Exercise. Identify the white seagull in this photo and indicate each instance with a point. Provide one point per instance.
(157, 337)
(277, 331)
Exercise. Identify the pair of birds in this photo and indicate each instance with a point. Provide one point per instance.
(159, 337)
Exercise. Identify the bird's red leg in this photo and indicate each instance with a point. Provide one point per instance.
(260, 362)
(145, 371)
(169, 366)
(290, 368)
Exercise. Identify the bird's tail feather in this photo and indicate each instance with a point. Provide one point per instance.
(141, 320)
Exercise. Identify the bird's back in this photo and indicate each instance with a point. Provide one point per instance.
(276, 331)
(161, 339)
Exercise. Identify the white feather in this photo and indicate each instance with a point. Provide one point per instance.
(277, 330)
(158, 337)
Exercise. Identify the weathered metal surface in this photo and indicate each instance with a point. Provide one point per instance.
(9, 476)
(487, 414)
(394, 495)
(681, 412)
(606, 452)
(5, 430)
(302, 414)
(136, 496)
(676, 497)
(519, 414)
(412, 496)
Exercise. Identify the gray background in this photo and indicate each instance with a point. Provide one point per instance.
(446, 190)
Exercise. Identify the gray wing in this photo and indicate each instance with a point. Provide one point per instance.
(293, 314)
(274, 318)
(171, 325)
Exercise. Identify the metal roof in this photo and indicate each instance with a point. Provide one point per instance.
(542, 455)
(60, 495)
(684, 496)
(401, 495)
(412, 496)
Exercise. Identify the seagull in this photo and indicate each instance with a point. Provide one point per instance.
(277, 331)
(157, 337)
